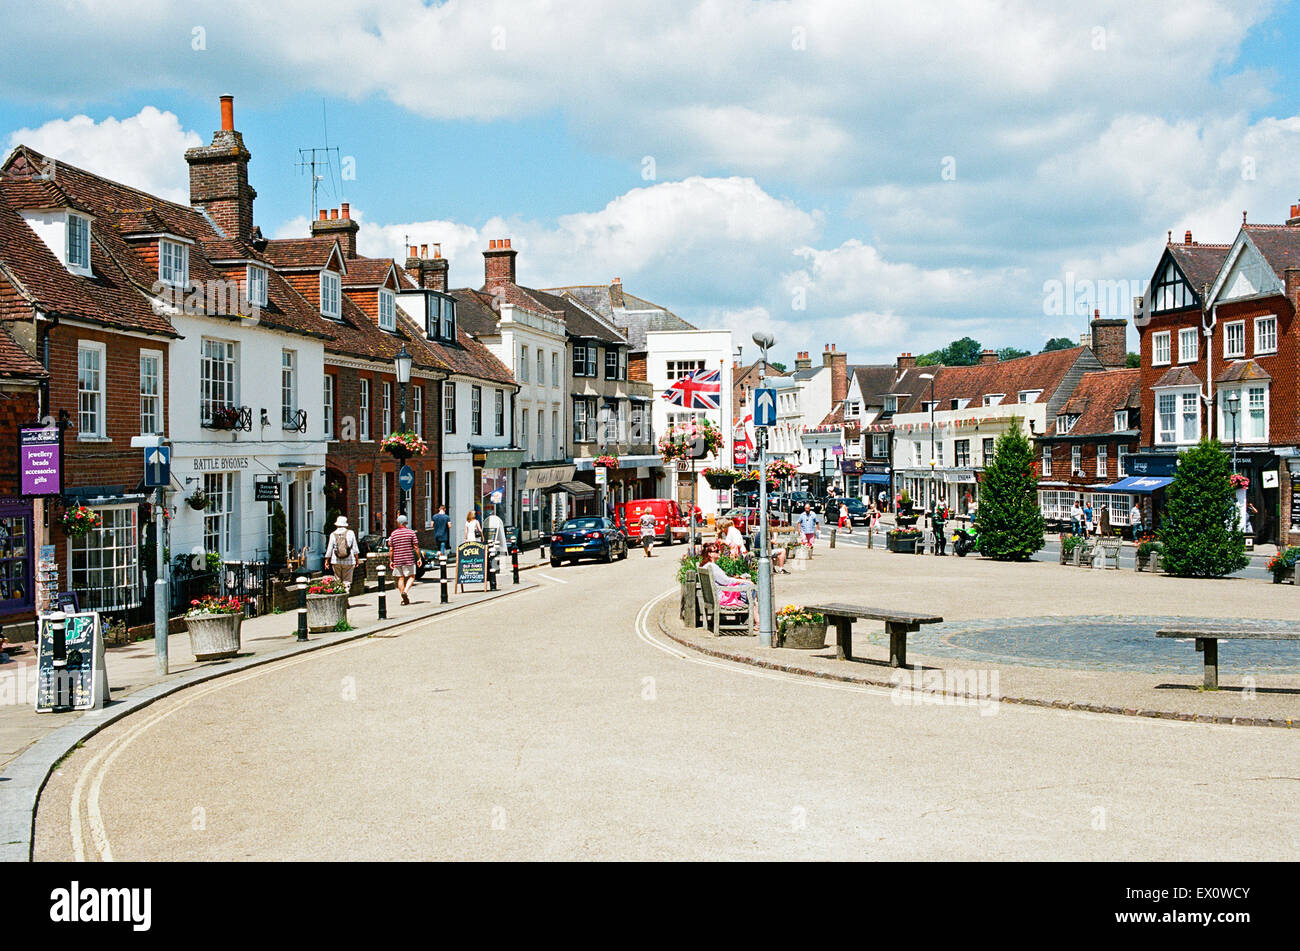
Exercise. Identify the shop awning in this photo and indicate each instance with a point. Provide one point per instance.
(876, 478)
(544, 477)
(579, 490)
(1143, 485)
(809, 468)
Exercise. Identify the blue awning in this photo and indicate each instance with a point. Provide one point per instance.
(1140, 484)
(878, 478)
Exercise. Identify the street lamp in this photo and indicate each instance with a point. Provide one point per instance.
(402, 370)
(930, 377)
(765, 342)
(1233, 399)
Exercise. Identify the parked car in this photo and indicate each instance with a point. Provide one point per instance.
(670, 520)
(589, 536)
(376, 546)
(857, 511)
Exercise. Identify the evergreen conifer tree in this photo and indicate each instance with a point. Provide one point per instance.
(1008, 520)
(1200, 528)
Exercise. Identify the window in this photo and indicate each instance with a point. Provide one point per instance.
(521, 366)
(327, 409)
(541, 431)
(1121, 420)
(103, 566)
(476, 410)
(1047, 460)
(173, 263)
(417, 410)
(447, 312)
(1120, 469)
(854, 408)
(1171, 292)
(219, 487)
(1265, 334)
(541, 367)
(584, 359)
(1166, 417)
(555, 370)
(961, 453)
(386, 410)
(1028, 396)
(1251, 424)
(363, 410)
(555, 435)
(255, 285)
(623, 408)
(1178, 416)
(916, 454)
(387, 310)
(428, 498)
(987, 451)
(612, 364)
(78, 243)
(1234, 339)
(217, 375)
(448, 407)
(683, 368)
(891, 404)
(1064, 423)
(500, 408)
(1187, 345)
(363, 503)
(1160, 347)
(329, 294)
(1102, 453)
(1076, 460)
(938, 453)
(289, 387)
(994, 399)
(1191, 405)
(879, 445)
(90, 389)
(584, 423)
(523, 430)
(151, 400)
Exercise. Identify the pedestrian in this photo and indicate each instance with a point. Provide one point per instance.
(473, 529)
(732, 538)
(1087, 517)
(647, 529)
(404, 557)
(1135, 519)
(1076, 517)
(442, 530)
(808, 520)
(883, 498)
(937, 521)
(496, 532)
(341, 551)
(846, 523)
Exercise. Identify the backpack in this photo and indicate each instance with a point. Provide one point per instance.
(341, 548)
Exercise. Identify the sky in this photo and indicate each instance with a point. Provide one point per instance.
(885, 177)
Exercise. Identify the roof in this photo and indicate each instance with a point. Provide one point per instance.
(636, 315)
(1096, 398)
(301, 253)
(1242, 371)
(748, 375)
(1178, 376)
(474, 312)
(874, 380)
(15, 362)
(580, 320)
(1279, 245)
(368, 272)
(1040, 371)
(1199, 263)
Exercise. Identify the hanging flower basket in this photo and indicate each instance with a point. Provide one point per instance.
(1239, 481)
(677, 441)
(780, 469)
(199, 501)
(223, 417)
(77, 520)
(719, 478)
(606, 462)
(404, 445)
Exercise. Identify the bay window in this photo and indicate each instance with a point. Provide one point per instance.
(103, 564)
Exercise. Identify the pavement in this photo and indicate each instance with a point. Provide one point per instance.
(561, 723)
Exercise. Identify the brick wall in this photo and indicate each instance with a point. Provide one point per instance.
(18, 407)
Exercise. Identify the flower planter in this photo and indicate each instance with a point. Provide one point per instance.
(324, 611)
(804, 637)
(214, 636)
(904, 545)
(398, 453)
(718, 480)
(906, 520)
(1284, 574)
(1150, 563)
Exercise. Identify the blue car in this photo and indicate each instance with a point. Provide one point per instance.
(587, 537)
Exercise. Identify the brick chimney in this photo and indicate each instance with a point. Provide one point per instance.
(988, 356)
(616, 292)
(498, 263)
(906, 362)
(1187, 237)
(1109, 340)
(1295, 216)
(338, 224)
(802, 361)
(838, 361)
(219, 177)
(428, 272)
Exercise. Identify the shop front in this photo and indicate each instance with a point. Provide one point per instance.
(494, 472)
(17, 564)
(541, 502)
(635, 477)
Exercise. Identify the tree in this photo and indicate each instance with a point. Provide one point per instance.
(1011, 353)
(1200, 529)
(1008, 521)
(960, 353)
(1133, 361)
(279, 537)
(1058, 343)
(779, 366)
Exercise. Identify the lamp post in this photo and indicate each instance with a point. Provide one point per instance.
(402, 370)
(930, 377)
(1233, 399)
(765, 342)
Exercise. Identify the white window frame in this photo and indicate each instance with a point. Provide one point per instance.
(1266, 331)
(1231, 349)
(541, 432)
(77, 251)
(555, 369)
(91, 407)
(219, 515)
(994, 399)
(447, 318)
(217, 393)
(523, 429)
(1076, 460)
(499, 411)
(288, 387)
(108, 576)
(522, 371)
(387, 310)
(1047, 460)
(1189, 349)
(331, 284)
(1103, 454)
(255, 285)
(1244, 413)
(151, 394)
(173, 263)
(363, 503)
(417, 410)
(476, 411)
(1120, 421)
(1121, 470)
(449, 408)
(1179, 395)
(363, 409)
(1028, 396)
(1161, 352)
(386, 408)
(428, 498)
(327, 406)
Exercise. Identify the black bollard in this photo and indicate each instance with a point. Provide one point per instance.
(442, 574)
(302, 607)
(514, 563)
(383, 600)
(492, 568)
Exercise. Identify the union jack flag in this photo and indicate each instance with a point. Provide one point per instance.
(701, 390)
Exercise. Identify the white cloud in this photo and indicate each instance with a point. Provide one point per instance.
(145, 150)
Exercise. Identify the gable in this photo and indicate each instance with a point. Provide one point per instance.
(1248, 275)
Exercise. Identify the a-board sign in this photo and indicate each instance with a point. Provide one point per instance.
(77, 681)
(471, 564)
(268, 491)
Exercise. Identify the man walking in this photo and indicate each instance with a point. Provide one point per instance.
(442, 530)
(341, 551)
(646, 528)
(808, 525)
(404, 555)
(937, 521)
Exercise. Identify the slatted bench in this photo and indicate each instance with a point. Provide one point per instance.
(1208, 636)
(898, 624)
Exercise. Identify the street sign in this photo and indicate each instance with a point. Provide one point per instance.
(268, 491)
(471, 565)
(765, 407)
(40, 460)
(157, 467)
(602, 477)
(406, 478)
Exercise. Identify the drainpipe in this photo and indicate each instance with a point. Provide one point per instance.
(1207, 328)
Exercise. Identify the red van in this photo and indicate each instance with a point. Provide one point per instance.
(668, 519)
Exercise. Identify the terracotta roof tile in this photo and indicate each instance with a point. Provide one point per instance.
(1179, 376)
(1242, 371)
(15, 362)
(1097, 397)
(1041, 371)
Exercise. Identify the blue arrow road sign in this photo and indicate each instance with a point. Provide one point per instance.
(765, 407)
(406, 478)
(157, 466)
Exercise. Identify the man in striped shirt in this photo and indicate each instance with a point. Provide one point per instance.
(403, 552)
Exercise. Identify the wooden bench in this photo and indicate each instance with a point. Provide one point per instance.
(898, 624)
(714, 615)
(1109, 549)
(1207, 642)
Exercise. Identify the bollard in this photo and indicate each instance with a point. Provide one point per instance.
(832, 538)
(514, 563)
(383, 600)
(871, 537)
(302, 607)
(442, 575)
(492, 568)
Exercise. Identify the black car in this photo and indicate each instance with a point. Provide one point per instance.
(588, 536)
(857, 511)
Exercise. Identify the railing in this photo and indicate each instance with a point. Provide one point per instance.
(228, 418)
(294, 421)
(250, 581)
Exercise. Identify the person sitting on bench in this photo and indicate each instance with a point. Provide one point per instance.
(731, 593)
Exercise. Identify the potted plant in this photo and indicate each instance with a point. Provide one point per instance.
(199, 500)
(605, 462)
(223, 417)
(720, 478)
(1148, 554)
(327, 604)
(800, 629)
(1068, 544)
(77, 520)
(403, 445)
(213, 623)
(903, 541)
(676, 443)
(780, 469)
(1283, 564)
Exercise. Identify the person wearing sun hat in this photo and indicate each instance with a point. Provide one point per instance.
(341, 551)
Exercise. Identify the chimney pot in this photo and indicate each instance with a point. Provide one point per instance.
(346, 211)
(228, 113)
(324, 214)
(437, 250)
(618, 280)
(424, 250)
(507, 242)
(412, 254)
(334, 214)
(1187, 238)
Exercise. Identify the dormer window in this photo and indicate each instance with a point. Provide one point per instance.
(78, 243)
(173, 263)
(891, 404)
(387, 316)
(1065, 423)
(256, 285)
(1029, 396)
(447, 308)
(994, 399)
(1121, 420)
(329, 294)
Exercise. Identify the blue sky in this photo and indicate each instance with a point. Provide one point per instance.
(885, 179)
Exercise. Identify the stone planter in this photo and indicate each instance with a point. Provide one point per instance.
(1150, 563)
(1285, 574)
(214, 636)
(903, 545)
(324, 611)
(804, 637)
(689, 608)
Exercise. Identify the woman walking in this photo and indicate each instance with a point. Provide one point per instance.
(473, 529)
